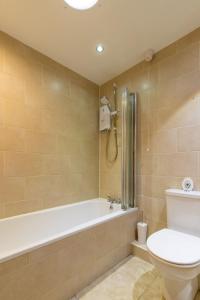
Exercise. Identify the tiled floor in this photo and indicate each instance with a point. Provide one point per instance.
(134, 279)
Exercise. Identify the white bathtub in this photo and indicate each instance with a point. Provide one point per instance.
(24, 233)
(55, 253)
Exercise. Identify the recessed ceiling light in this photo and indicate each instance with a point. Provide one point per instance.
(100, 48)
(81, 4)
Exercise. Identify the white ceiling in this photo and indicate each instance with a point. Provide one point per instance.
(127, 28)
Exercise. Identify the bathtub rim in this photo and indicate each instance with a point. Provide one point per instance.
(64, 234)
(58, 207)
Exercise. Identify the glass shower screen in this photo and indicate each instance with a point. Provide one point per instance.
(129, 121)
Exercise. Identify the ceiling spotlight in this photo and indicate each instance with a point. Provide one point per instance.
(81, 4)
(99, 48)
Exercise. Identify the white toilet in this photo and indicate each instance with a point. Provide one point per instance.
(175, 251)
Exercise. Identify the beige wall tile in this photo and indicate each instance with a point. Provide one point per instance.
(53, 164)
(186, 114)
(155, 186)
(59, 110)
(43, 188)
(187, 86)
(16, 92)
(21, 115)
(12, 139)
(164, 95)
(182, 62)
(40, 143)
(2, 53)
(148, 164)
(166, 52)
(156, 209)
(178, 164)
(21, 207)
(18, 64)
(48, 131)
(22, 164)
(68, 144)
(55, 81)
(12, 189)
(168, 126)
(12, 265)
(110, 185)
(165, 141)
(1, 163)
(189, 139)
(189, 39)
(53, 122)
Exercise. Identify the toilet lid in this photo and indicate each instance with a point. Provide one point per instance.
(175, 247)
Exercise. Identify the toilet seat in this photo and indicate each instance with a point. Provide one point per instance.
(175, 247)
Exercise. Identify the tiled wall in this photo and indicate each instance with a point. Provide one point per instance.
(48, 132)
(49, 129)
(168, 126)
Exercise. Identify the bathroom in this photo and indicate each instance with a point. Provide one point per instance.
(73, 224)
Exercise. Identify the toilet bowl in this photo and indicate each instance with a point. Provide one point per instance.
(177, 256)
(175, 251)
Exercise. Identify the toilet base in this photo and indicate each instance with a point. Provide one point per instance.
(180, 289)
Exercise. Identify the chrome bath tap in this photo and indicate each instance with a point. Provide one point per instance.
(113, 200)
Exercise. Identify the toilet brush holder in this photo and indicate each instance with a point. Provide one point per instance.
(142, 232)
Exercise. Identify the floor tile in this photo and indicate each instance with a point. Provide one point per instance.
(133, 279)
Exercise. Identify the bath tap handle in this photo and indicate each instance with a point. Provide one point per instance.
(110, 199)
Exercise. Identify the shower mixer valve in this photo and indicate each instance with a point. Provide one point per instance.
(114, 113)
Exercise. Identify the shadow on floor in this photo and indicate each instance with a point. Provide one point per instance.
(150, 286)
(132, 279)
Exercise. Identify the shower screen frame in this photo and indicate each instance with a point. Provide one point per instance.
(128, 157)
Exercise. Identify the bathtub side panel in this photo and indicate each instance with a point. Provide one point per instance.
(60, 270)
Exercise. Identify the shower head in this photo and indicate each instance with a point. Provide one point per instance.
(104, 101)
